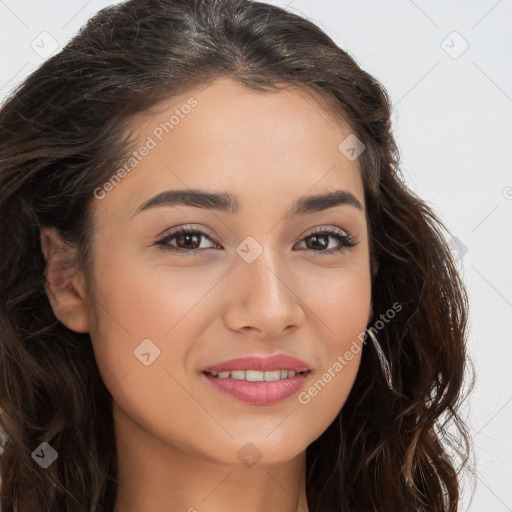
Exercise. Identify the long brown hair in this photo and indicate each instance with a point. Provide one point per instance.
(63, 131)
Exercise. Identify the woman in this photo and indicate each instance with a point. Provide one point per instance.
(202, 225)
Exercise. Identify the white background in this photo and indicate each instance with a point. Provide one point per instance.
(452, 121)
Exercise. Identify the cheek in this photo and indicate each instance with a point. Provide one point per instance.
(347, 310)
(147, 309)
(148, 318)
(340, 305)
(150, 315)
(172, 306)
(339, 299)
(329, 387)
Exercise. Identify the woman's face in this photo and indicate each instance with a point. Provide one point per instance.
(260, 283)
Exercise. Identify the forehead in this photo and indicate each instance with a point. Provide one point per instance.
(259, 146)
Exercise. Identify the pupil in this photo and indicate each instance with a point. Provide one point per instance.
(316, 237)
(187, 237)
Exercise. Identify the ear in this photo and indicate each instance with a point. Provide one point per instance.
(64, 282)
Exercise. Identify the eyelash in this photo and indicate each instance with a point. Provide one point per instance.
(347, 241)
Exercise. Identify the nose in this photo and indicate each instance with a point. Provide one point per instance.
(265, 299)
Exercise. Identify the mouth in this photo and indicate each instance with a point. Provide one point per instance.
(258, 388)
(258, 367)
(255, 375)
(259, 379)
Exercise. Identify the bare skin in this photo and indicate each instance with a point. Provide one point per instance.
(179, 438)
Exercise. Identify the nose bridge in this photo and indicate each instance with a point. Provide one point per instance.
(265, 300)
(266, 276)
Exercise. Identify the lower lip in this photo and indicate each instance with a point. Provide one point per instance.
(259, 393)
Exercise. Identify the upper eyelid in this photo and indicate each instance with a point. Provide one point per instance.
(205, 232)
(171, 233)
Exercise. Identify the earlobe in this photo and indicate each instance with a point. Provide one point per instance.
(63, 281)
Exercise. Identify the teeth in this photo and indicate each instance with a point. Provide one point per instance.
(255, 376)
(268, 376)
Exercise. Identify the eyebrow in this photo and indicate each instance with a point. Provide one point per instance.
(230, 204)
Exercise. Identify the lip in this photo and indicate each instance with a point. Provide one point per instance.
(259, 393)
(260, 363)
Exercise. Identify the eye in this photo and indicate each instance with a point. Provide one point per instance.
(320, 240)
(187, 240)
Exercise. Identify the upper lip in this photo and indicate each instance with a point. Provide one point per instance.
(260, 363)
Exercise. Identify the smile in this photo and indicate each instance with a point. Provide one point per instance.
(237, 384)
(255, 375)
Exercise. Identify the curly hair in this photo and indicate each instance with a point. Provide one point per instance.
(63, 130)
